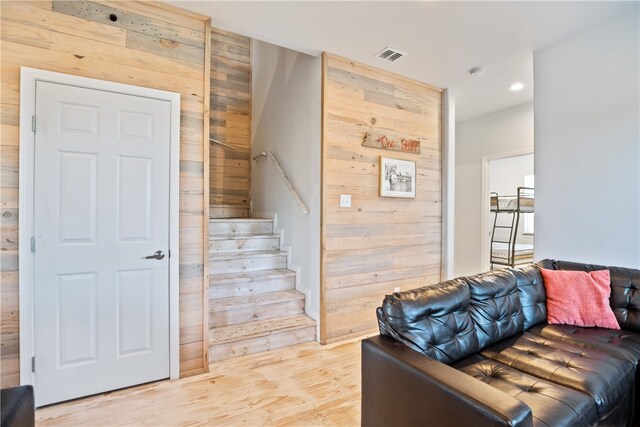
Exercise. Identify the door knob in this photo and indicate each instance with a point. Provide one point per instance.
(157, 255)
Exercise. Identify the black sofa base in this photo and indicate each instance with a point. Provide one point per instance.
(405, 388)
(17, 406)
(477, 351)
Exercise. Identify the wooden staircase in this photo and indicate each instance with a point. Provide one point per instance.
(253, 304)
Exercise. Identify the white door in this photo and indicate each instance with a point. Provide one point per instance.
(101, 208)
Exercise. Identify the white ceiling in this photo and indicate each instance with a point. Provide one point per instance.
(443, 39)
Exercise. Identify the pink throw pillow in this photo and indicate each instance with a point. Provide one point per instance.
(579, 298)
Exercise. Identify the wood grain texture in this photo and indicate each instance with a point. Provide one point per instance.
(230, 119)
(152, 45)
(205, 192)
(300, 385)
(379, 243)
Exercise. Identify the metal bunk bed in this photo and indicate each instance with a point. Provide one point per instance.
(505, 250)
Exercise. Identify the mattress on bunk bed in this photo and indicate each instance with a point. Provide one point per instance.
(524, 252)
(511, 203)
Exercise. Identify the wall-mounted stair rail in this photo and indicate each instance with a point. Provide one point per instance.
(284, 176)
(224, 144)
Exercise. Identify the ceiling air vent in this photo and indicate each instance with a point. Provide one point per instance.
(390, 54)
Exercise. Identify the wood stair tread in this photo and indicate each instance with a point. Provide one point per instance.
(221, 256)
(249, 276)
(259, 328)
(242, 236)
(233, 303)
(240, 220)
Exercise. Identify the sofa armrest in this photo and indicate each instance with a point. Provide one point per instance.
(403, 387)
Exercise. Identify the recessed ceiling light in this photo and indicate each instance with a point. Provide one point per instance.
(476, 71)
(516, 87)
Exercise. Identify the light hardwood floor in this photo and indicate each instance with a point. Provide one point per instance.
(301, 385)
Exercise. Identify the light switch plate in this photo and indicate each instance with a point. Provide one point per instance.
(345, 200)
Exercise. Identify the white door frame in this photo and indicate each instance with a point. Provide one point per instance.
(28, 79)
(484, 202)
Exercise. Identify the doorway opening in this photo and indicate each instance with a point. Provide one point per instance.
(508, 209)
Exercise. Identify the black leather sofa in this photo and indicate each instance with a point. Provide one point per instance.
(477, 351)
(17, 407)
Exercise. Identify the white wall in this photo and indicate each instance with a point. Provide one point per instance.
(587, 145)
(501, 132)
(286, 114)
(506, 175)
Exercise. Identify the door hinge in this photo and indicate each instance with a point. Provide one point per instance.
(33, 364)
(33, 244)
(169, 252)
(33, 123)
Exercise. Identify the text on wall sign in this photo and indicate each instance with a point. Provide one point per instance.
(387, 142)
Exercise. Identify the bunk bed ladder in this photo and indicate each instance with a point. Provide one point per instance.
(513, 227)
(524, 194)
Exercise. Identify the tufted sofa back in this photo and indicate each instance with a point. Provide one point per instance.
(454, 319)
(625, 291)
(533, 296)
(495, 306)
(433, 320)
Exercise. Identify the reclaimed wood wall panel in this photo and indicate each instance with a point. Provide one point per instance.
(230, 119)
(379, 243)
(152, 45)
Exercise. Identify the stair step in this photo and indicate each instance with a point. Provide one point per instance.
(244, 242)
(262, 335)
(250, 283)
(234, 303)
(235, 226)
(235, 310)
(235, 262)
(228, 211)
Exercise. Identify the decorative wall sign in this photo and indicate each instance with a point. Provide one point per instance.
(397, 178)
(391, 142)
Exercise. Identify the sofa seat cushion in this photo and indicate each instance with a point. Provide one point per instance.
(550, 404)
(608, 380)
(619, 343)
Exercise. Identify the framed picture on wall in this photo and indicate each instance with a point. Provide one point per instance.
(397, 178)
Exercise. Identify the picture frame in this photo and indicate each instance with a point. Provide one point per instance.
(397, 178)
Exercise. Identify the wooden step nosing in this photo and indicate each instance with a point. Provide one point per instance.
(288, 296)
(222, 237)
(242, 220)
(246, 277)
(229, 256)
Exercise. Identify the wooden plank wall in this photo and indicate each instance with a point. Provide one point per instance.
(379, 243)
(152, 45)
(230, 118)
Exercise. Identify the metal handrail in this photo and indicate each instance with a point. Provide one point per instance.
(284, 176)
(224, 144)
